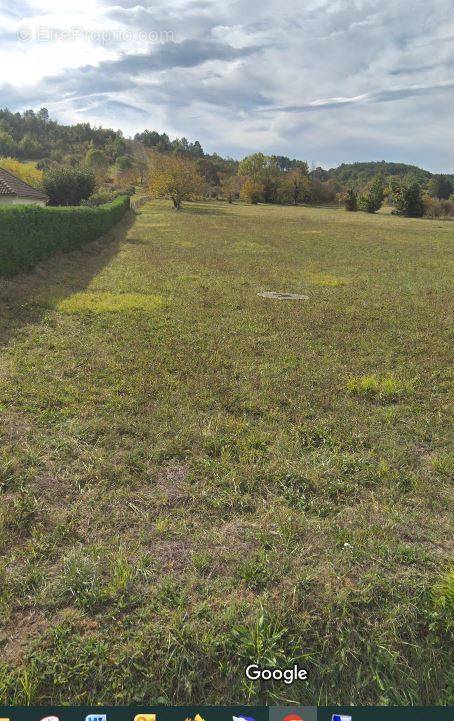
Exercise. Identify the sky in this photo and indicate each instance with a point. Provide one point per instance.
(328, 81)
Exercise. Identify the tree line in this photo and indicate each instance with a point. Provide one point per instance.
(91, 164)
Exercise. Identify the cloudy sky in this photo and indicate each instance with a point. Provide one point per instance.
(329, 81)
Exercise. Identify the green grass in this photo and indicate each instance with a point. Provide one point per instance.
(386, 390)
(193, 476)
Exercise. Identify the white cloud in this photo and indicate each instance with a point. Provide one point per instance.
(351, 79)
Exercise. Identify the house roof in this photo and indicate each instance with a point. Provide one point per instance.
(17, 188)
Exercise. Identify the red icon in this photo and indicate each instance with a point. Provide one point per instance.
(292, 717)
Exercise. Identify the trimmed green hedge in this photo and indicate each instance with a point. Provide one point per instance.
(30, 233)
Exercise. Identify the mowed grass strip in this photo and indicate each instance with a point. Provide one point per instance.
(194, 477)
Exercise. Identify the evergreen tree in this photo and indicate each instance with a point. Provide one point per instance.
(351, 201)
(373, 196)
(408, 200)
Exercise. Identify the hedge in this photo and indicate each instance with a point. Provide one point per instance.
(30, 233)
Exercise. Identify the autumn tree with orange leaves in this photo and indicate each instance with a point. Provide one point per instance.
(174, 177)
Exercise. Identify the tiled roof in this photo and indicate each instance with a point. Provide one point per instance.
(16, 188)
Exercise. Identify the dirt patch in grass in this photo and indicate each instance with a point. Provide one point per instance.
(21, 631)
(172, 482)
(275, 295)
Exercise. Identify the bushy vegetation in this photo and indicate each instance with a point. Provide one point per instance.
(162, 143)
(68, 186)
(359, 174)
(26, 171)
(407, 200)
(33, 135)
(373, 195)
(435, 208)
(252, 191)
(280, 180)
(258, 178)
(351, 201)
(29, 233)
(440, 186)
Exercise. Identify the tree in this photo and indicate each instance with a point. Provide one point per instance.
(7, 144)
(262, 170)
(408, 200)
(351, 201)
(43, 115)
(254, 166)
(68, 186)
(124, 162)
(296, 185)
(285, 164)
(208, 170)
(231, 187)
(29, 147)
(174, 177)
(373, 195)
(440, 187)
(141, 156)
(252, 191)
(96, 160)
(322, 191)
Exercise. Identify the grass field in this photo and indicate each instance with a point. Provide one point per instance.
(194, 477)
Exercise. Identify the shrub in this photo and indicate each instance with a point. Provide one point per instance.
(408, 200)
(96, 159)
(29, 233)
(124, 162)
(101, 197)
(373, 195)
(68, 186)
(434, 208)
(351, 201)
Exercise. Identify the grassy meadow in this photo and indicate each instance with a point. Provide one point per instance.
(194, 477)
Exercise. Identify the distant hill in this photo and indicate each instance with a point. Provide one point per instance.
(360, 173)
(33, 135)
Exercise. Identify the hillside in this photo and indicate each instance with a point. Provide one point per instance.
(360, 173)
(34, 136)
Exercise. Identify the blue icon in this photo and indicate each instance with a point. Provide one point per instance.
(96, 717)
(340, 717)
(242, 718)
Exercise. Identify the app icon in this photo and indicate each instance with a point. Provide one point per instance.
(292, 717)
(242, 718)
(4, 719)
(197, 717)
(50, 718)
(340, 717)
(145, 717)
(96, 717)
